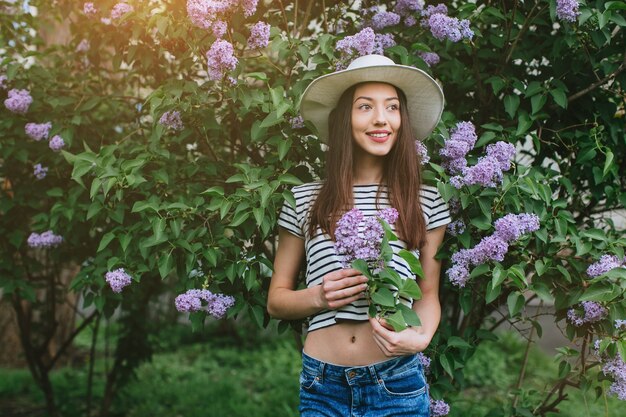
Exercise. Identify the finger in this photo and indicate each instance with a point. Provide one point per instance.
(344, 283)
(379, 327)
(345, 301)
(381, 345)
(346, 292)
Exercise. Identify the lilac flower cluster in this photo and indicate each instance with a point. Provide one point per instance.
(3, 82)
(430, 58)
(359, 44)
(592, 312)
(462, 139)
(249, 7)
(567, 10)
(422, 151)
(259, 36)
(45, 240)
(117, 279)
(456, 228)
(384, 19)
(604, 265)
(616, 369)
(488, 171)
(120, 9)
(219, 28)
(171, 119)
(439, 408)
(217, 304)
(508, 229)
(19, 101)
(39, 171)
(383, 41)
(425, 361)
(38, 131)
(443, 26)
(297, 122)
(220, 59)
(351, 244)
(206, 13)
(57, 143)
(406, 7)
(620, 324)
(89, 9)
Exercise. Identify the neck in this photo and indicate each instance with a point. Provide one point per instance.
(367, 169)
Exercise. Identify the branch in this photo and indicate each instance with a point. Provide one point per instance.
(69, 340)
(595, 85)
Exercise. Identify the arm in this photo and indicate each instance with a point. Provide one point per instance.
(285, 302)
(416, 339)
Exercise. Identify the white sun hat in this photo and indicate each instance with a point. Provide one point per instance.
(424, 95)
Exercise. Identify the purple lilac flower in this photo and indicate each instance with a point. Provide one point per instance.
(83, 46)
(592, 312)
(120, 9)
(466, 32)
(249, 7)
(89, 9)
(455, 205)
(19, 101)
(384, 19)
(3, 82)
(512, 226)
(438, 9)
(425, 361)
(410, 21)
(604, 265)
(38, 131)
(39, 171)
(171, 119)
(439, 408)
(422, 151)
(442, 27)
(117, 279)
(616, 368)
(508, 229)
(383, 41)
(456, 228)
(220, 59)
(297, 122)
(567, 10)
(430, 58)
(359, 44)
(191, 301)
(45, 240)
(219, 28)
(503, 152)
(199, 13)
(407, 7)
(620, 324)
(259, 36)
(56, 143)
(366, 245)
(462, 139)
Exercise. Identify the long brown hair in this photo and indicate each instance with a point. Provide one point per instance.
(401, 173)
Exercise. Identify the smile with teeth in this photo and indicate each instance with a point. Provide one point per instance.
(379, 135)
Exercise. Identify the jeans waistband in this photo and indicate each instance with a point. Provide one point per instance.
(366, 373)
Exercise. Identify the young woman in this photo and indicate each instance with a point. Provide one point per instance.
(370, 114)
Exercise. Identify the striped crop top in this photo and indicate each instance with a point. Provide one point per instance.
(320, 252)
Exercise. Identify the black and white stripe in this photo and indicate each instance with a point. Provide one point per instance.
(320, 251)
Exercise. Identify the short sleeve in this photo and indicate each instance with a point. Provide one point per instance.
(438, 212)
(288, 219)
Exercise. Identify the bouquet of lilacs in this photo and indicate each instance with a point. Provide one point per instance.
(370, 253)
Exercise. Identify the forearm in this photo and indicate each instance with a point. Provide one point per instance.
(428, 309)
(287, 304)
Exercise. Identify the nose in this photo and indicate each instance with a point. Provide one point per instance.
(379, 118)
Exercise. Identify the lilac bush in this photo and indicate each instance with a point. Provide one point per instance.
(121, 9)
(18, 101)
(118, 279)
(439, 408)
(567, 10)
(171, 120)
(220, 59)
(259, 36)
(592, 313)
(40, 171)
(217, 305)
(38, 131)
(604, 265)
(56, 143)
(44, 240)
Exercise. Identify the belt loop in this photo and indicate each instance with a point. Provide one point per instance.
(373, 373)
(320, 371)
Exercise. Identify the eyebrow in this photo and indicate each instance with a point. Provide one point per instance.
(371, 99)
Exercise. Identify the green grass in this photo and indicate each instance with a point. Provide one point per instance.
(201, 375)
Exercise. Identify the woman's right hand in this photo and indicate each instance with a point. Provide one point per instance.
(342, 287)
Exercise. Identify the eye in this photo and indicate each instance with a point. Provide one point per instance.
(394, 107)
(362, 106)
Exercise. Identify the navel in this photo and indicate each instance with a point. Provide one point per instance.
(353, 339)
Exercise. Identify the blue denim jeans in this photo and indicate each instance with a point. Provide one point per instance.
(396, 387)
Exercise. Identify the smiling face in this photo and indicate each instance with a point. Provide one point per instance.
(375, 118)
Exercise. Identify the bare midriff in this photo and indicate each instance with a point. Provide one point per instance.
(347, 343)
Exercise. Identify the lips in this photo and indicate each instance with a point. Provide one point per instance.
(379, 136)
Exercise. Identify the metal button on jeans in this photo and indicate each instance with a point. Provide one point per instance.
(351, 374)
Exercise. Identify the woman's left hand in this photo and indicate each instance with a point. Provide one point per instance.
(406, 342)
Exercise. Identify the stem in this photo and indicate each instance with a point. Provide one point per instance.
(92, 354)
(595, 85)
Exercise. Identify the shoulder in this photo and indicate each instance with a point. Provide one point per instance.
(307, 187)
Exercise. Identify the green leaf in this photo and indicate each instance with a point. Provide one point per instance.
(511, 103)
(283, 148)
(410, 316)
(258, 213)
(411, 289)
(289, 179)
(608, 163)
(515, 302)
(559, 97)
(106, 239)
(396, 320)
(383, 297)
(537, 102)
(165, 264)
(601, 292)
(447, 362)
(456, 341)
(361, 266)
(413, 261)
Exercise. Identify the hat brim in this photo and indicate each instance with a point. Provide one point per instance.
(424, 96)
